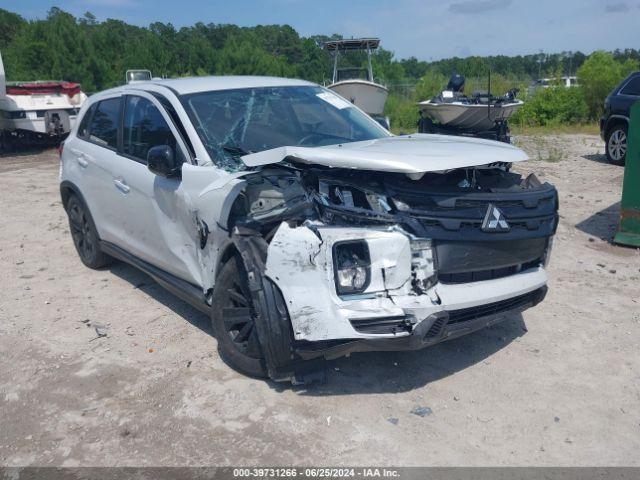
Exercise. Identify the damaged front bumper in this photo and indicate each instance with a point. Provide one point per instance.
(436, 328)
(392, 313)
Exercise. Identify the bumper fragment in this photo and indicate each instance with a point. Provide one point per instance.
(438, 327)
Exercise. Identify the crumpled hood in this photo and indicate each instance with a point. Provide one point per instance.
(413, 154)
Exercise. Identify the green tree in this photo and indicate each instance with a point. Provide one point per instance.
(553, 106)
(598, 75)
(10, 24)
(97, 54)
(431, 84)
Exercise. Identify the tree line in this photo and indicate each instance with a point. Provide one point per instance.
(97, 54)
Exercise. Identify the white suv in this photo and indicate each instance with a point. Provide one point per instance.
(303, 228)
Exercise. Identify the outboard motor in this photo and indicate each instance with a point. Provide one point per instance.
(456, 83)
(57, 122)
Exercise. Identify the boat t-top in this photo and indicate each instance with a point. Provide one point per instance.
(357, 84)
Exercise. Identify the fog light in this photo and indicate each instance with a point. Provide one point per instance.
(423, 264)
(352, 266)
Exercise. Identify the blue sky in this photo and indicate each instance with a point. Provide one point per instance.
(427, 29)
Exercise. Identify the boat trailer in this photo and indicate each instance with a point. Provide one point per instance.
(500, 131)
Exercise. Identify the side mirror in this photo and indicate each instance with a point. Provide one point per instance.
(161, 160)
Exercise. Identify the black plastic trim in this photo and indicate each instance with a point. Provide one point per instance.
(190, 293)
(380, 326)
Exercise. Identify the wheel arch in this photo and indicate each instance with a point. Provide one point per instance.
(614, 121)
(227, 251)
(67, 189)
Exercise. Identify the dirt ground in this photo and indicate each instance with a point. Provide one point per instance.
(559, 385)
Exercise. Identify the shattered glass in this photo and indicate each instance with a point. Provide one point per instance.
(233, 123)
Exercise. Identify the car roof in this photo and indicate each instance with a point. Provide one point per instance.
(228, 82)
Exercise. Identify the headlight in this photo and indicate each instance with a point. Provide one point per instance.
(352, 266)
(423, 265)
(350, 197)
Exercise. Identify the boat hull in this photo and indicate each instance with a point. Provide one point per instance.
(469, 116)
(51, 115)
(368, 96)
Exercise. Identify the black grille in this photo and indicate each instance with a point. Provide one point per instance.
(378, 326)
(480, 275)
(475, 203)
(472, 313)
(436, 328)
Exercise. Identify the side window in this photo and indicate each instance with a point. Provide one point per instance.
(103, 128)
(145, 127)
(632, 88)
(83, 129)
(176, 120)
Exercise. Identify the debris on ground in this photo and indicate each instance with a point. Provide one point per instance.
(101, 330)
(422, 411)
(393, 420)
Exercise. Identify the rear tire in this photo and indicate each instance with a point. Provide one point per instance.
(233, 321)
(84, 235)
(616, 144)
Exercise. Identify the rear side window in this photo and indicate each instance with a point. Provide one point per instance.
(83, 129)
(145, 127)
(103, 128)
(632, 88)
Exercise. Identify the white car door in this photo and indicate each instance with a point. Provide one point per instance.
(93, 155)
(157, 220)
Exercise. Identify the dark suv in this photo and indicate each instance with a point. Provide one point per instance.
(615, 121)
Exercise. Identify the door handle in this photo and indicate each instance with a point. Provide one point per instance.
(122, 186)
(81, 157)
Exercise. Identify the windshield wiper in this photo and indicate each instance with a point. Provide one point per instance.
(234, 149)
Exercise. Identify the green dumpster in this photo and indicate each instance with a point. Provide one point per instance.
(629, 230)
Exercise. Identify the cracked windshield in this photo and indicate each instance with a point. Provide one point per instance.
(232, 123)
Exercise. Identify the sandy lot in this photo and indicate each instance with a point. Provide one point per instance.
(559, 385)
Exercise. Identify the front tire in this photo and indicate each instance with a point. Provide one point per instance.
(616, 144)
(233, 321)
(84, 235)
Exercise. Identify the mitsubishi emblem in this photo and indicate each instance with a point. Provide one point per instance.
(494, 220)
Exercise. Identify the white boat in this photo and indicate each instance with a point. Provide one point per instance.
(481, 112)
(37, 111)
(355, 84)
(469, 116)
